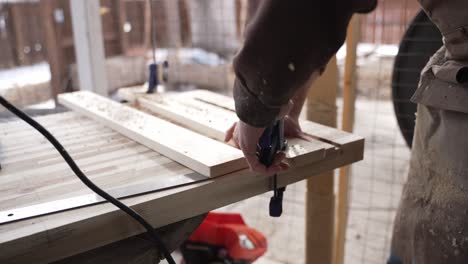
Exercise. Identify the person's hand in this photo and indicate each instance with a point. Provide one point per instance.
(245, 137)
(290, 114)
(292, 128)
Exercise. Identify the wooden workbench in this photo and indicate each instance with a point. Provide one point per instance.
(33, 173)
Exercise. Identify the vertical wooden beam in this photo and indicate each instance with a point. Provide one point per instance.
(320, 202)
(89, 45)
(53, 47)
(185, 26)
(17, 11)
(242, 13)
(7, 58)
(349, 98)
(147, 26)
(172, 20)
(122, 19)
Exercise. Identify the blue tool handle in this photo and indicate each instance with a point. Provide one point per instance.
(276, 202)
(153, 78)
(272, 141)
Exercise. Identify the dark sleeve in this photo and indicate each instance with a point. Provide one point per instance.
(285, 42)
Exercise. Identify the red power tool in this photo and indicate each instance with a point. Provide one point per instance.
(223, 238)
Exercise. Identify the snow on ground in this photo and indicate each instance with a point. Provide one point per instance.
(40, 73)
(368, 51)
(25, 75)
(190, 56)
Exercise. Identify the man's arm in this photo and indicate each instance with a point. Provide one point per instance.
(292, 128)
(285, 43)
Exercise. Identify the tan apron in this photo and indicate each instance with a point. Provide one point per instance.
(431, 225)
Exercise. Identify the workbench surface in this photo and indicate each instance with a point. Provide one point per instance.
(33, 172)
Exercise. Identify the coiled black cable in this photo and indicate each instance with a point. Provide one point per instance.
(69, 160)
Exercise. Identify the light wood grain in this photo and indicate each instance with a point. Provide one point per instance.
(27, 94)
(214, 120)
(320, 199)
(48, 238)
(115, 161)
(203, 118)
(107, 157)
(212, 98)
(349, 98)
(88, 43)
(313, 129)
(202, 154)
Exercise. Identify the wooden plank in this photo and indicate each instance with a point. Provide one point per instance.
(7, 56)
(130, 94)
(316, 129)
(213, 98)
(54, 51)
(49, 238)
(319, 195)
(17, 11)
(214, 121)
(27, 31)
(112, 162)
(172, 23)
(29, 94)
(147, 26)
(313, 129)
(130, 166)
(203, 118)
(349, 98)
(185, 26)
(204, 155)
(121, 21)
(89, 45)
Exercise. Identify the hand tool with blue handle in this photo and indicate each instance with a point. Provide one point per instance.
(270, 143)
(157, 75)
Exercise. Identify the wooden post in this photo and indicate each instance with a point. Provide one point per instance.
(320, 202)
(20, 41)
(122, 19)
(53, 47)
(349, 98)
(172, 20)
(147, 28)
(185, 26)
(7, 56)
(89, 45)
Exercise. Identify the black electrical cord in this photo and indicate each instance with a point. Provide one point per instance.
(157, 240)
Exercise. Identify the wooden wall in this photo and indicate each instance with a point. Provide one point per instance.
(21, 39)
(24, 35)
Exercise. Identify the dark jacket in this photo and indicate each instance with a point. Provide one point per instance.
(286, 41)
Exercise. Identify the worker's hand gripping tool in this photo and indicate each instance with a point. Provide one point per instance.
(270, 143)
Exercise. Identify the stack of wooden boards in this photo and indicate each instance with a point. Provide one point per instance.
(189, 128)
(115, 146)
